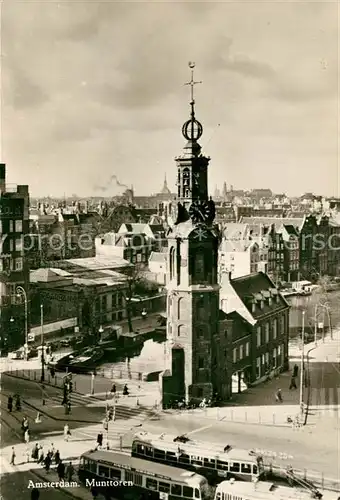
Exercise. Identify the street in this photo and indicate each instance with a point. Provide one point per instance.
(15, 486)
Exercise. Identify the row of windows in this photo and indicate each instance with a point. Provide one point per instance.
(14, 264)
(241, 352)
(15, 226)
(263, 334)
(265, 362)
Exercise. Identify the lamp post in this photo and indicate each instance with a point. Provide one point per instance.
(302, 361)
(308, 385)
(325, 308)
(42, 343)
(21, 292)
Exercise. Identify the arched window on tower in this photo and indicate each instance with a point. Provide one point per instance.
(186, 182)
(172, 262)
(181, 330)
(181, 308)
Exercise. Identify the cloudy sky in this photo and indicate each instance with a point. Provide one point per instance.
(95, 89)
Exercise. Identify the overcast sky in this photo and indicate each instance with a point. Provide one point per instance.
(95, 89)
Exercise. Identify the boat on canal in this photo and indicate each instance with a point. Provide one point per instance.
(80, 361)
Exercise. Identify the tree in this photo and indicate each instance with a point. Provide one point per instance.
(136, 283)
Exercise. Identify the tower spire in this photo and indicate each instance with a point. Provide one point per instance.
(192, 129)
(192, 84)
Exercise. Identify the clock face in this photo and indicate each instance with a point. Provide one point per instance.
(200, 211)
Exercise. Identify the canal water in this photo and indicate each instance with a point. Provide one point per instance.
(151, 357)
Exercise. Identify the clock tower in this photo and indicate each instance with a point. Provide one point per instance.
(192, 277)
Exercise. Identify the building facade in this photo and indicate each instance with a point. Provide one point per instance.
(14, 270)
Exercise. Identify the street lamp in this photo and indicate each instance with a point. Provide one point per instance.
(42, 343)
(308, 385)
(21, 292)
(302, 361)
(325, 308)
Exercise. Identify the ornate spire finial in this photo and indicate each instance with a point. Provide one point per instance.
(192, 83)
(192, 129)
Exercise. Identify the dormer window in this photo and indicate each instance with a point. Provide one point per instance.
(270, 301)
(261, 304)
(253, 307)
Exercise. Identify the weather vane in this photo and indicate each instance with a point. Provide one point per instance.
(192, 82)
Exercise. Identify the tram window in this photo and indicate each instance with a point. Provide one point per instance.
(184, 459)
(140, 449)
(93, 467)
(129, 476)
(115, 473)
(246, 468)
(160, 454)
(103, 471)
(138, 479)
(164, 487)
(171, 456)
(235, 467)
(196, 461)
(148, 451)
(222, 465)
(188, 492)
(209, 462)
(151, 484)
(176, 489)
(254, 469)
(197, 493)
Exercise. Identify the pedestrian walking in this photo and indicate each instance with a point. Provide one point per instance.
(61, 470)
(113, 389)
(10, 404)
(13, 455)
(35, 452)
(295, 370)
(35, 494)
(47, 462)
(17, 403)
(67, 432)
(278, 396)
(24, 425)
(125, 390)
(100, 439)
(69, 472)
(57, 457)
(41, 455)
(94, 492)
(27, 436)
(292, 383)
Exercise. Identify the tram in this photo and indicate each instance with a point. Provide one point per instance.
(215, 463)
(261, 490)
(117, 475)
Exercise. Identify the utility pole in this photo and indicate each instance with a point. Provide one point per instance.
(302, 362)
(42, 343)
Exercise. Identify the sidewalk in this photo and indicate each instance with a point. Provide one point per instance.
(323, 351)
(69, 452)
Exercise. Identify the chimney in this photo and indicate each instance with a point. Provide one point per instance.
(2, 177)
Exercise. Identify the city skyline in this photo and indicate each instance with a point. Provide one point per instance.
(104, 95)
